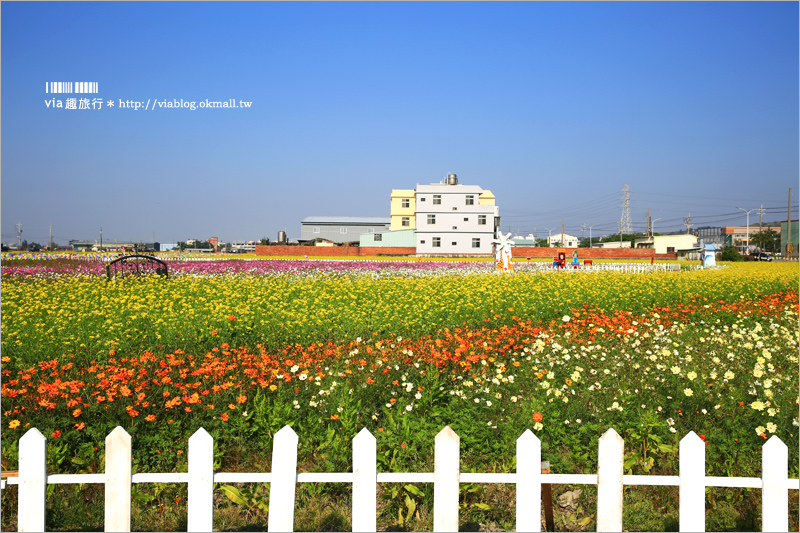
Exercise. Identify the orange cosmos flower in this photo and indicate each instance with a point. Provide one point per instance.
(150, 418)
(56, 434)
(537, 416)
(241, 399)
(76, 413)
(14, 424)
(224, 417)
(80, 426)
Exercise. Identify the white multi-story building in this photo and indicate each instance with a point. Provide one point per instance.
(449, 218)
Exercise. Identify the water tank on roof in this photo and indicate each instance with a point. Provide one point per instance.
(452, 179)
(282, 236)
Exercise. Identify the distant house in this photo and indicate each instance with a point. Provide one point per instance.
(684, 246)
(562, 240)
(341, 229)
(612, 244)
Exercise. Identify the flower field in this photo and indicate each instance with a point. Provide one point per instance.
(402, 348)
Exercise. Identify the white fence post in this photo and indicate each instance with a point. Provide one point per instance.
(774, 494)
(32, 481)
(118, 481)
(445, 480)
(200, 500)
(283, 481)
(365, 484)
(692, 471)
(610, 456)
(529, 482)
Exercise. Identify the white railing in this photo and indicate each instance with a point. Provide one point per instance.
(625, 268)
(118, 478)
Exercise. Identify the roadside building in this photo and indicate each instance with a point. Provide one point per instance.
(741, 236)
(562, 240)
(714, 235)
(390, 239)
(341, 229)
(789, 238)
(684, 246)
(612, 244)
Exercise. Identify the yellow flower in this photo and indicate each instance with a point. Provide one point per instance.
(13, 424)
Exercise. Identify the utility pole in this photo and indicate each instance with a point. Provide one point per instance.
(649, 224)
(761, 216)
(19, 236)
(583, 229)
(51, 237)
(101, 238)
(562, 232)
(590, 234)
(688, 221)
(620, 233)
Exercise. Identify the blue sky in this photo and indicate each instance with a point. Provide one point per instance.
(554, 107)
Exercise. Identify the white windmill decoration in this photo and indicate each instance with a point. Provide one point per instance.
(502, 253)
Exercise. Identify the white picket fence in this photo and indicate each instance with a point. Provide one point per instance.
(569, 268)
(118, 477)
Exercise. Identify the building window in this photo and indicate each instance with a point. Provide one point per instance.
(455, 227)
(455, 209)
(454, 243)
(406, 221)
(436, 242)
(378, 237)
(437, 199)
(316, 230)
(466, 219)
(422, 199)
(670, 249)
(371, 230)
(405, 203)
(481, 220)
(470, 199)
(431, 219)
(476, 243)
(343, 231)
(422, 241)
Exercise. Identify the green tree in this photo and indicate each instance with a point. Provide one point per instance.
(766, 240)
(731, 254)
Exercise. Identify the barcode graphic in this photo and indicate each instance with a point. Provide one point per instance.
(71, 87)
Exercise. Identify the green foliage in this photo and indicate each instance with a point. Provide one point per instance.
(730, 253)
